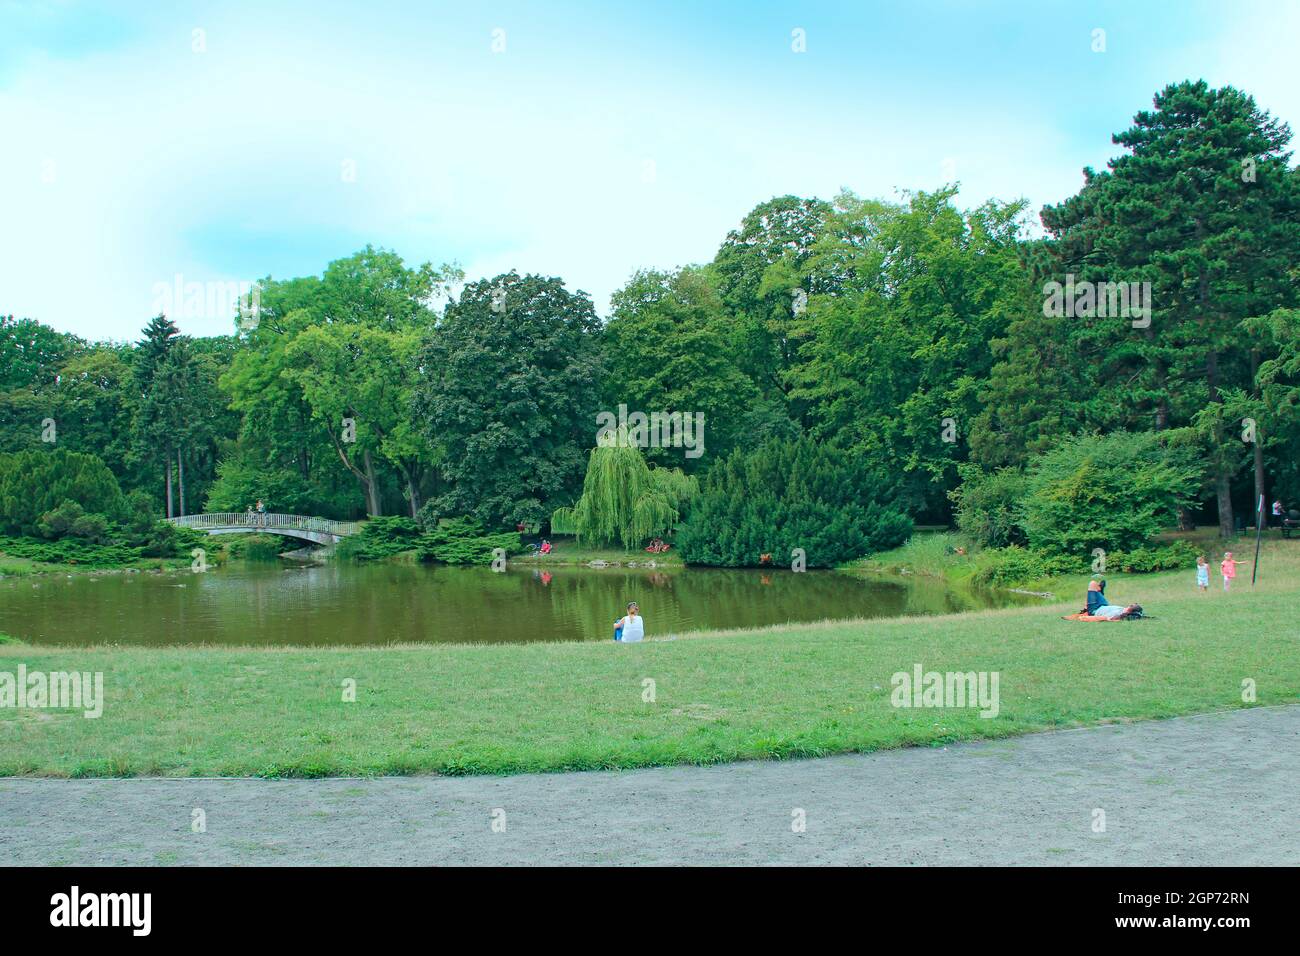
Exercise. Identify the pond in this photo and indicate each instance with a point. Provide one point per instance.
(342, 603)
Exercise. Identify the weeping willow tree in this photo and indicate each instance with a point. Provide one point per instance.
(623, 499)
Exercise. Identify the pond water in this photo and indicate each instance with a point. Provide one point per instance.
(340, 603)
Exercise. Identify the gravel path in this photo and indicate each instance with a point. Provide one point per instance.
(1214, 789)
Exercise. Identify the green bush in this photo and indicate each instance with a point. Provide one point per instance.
(1003, 567)
(1113, 492)
(71, 551)
(787, 495)
(162, 540)
(988, 506)
(34, 483)
(1180, 554)
(381, 537)
(259, 547)
(451, 541)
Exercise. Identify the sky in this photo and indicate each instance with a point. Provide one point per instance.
(150, 149)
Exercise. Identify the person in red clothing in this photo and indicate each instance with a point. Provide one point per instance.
(1228, 568)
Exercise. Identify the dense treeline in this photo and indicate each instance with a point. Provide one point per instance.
(917, 350)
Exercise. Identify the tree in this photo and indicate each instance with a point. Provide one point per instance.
(31, 353)
(33, 483)
(892, 361)
(357, 380)
(754, 268)
(667, 349)
(361, 320)
(623, 499)
(508, 389)
(161, 418)
(1204, 207)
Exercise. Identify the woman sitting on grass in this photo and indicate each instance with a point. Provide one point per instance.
(630, 629)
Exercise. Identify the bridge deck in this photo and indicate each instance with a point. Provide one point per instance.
(319, 530)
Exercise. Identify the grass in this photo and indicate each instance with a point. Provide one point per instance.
(13, 566)
(784, 692)
(941, 554)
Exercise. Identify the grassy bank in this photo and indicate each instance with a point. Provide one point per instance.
(775, 693)
(569, 552)
(18, 567)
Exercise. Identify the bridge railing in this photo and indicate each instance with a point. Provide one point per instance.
(267, 520)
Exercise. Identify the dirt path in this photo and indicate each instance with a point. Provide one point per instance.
(1216, 789)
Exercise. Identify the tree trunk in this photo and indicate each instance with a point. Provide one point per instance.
(1259, 439)
(180, 475)
(1222, 472)
(1223, 488)
(372, 486)
(169, 486)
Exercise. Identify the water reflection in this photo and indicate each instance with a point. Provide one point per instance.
(387, 603)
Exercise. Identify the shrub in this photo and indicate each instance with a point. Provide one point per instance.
(988, 506)
(1180, 554)
(57, 523)
(452, 541)
(1112, 492)
(71, 551)
(33, 483)
(1013, 565)
(163, 540)
(259, 547)
(382, 537)
(786, 495)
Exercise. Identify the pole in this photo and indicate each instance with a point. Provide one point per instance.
(1259, 529)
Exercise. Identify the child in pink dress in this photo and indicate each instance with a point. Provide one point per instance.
(1228, 568)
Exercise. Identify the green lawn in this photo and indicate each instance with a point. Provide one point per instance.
(775, 693)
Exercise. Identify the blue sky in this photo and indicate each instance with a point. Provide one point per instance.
(603, 138)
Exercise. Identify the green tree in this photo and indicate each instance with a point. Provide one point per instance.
(755, 267)
(625, 500)
(508, 390)
(667, 349)
(893, 359)
(1203, 206)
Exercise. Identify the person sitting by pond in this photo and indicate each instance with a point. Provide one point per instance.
(631, 628)
(545, 548)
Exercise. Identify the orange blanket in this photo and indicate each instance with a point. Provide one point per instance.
(1087, 617)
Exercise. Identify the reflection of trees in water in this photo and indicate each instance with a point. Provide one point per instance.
(386, 603)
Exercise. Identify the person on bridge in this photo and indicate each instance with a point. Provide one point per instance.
(261, 514)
